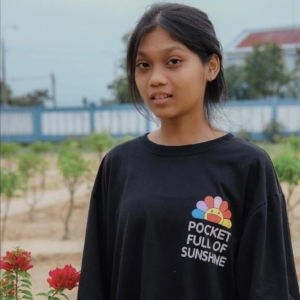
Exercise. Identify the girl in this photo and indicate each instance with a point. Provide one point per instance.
(188, 211)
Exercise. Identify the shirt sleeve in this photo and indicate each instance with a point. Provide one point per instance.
(265, 267)
(93, 279)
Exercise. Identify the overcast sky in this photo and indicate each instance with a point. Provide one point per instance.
(80, 40)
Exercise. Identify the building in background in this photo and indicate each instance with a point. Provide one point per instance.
(288, 38)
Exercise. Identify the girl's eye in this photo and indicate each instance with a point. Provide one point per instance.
(142, 65)
(174, 61)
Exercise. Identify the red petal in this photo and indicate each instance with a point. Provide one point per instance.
(223, 206)
(209, 201)
(227, 214)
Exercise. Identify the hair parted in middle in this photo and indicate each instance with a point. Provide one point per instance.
(191, 27)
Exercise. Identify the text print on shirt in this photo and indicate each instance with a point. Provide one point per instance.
(210, 240)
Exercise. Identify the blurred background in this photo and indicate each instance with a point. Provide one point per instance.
(64, 104)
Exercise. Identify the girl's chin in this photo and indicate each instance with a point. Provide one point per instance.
(167, 115)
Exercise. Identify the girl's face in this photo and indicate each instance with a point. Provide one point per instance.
(170, 78)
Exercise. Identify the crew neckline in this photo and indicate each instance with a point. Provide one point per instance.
(183, 149)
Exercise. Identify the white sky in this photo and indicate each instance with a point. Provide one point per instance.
(80, 40)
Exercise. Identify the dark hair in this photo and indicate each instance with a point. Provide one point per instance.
(191, 27)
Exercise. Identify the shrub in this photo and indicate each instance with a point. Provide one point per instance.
(273, 130)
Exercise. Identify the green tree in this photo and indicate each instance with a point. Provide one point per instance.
(74, 169)
(119, 86)
(236, 83)
(10, 184)
(36, 97)
(265, 71)
(41, 147)
(100, 142)
(32, 168)
(7, 90)
(294, 143)
(273, 130)
(9, 152)
(287, 166)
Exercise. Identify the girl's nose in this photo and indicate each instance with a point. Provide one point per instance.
(157, 78)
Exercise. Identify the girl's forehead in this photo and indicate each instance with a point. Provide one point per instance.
(157, 40)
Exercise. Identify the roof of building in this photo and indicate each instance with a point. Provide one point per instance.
(286, 36)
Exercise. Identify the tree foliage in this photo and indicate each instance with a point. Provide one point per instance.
(100, 142)
(294, 143)
(10, 184)
(119, 86)
(263, 74)
(32, 167)
(287, 167)
(74, 168)
(236, 84)
(273, 130)
(265, 71)
(40, 147)
(36, 97)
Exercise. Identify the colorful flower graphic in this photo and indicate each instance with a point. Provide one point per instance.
(214, 210)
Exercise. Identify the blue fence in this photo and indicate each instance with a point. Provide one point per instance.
(31, 124)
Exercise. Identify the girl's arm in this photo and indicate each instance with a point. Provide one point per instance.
(94, 280)
(265, 267)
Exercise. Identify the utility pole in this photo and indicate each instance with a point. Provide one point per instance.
(3, 75)
(53, 88)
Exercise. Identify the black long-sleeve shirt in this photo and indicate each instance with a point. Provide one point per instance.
(204, 221)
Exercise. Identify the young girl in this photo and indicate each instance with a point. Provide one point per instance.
(186, 212)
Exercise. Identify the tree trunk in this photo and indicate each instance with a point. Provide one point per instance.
(66, 235)
(288, 202)
(4, 219)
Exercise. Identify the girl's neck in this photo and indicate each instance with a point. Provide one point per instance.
(184, 132)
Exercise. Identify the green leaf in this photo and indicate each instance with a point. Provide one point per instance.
(27, 297)
(41, 294)
(12, 277)
(50, 292)
(64, 296)
(26, 281)
(4, 274)
(27, 275)
(26, 292)
(21, 273)
(55, 298)
(10, 297)
(9, 287)
(25, 285)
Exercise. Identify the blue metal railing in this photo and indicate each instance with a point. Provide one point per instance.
(29, 124)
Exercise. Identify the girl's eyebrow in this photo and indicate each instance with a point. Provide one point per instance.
(166, 50)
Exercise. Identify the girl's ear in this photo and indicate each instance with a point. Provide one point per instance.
(213, 68)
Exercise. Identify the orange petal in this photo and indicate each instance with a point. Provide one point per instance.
(223, 206)
(227, 214)
(209, 201)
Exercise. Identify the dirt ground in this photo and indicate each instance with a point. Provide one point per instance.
(44, 237)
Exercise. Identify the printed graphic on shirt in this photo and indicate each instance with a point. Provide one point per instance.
(206, 241)
(214, 210)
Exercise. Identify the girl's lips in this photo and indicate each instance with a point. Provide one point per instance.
(161, 100)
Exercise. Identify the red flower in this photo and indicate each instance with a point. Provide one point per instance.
(16, 260)
(62, 278)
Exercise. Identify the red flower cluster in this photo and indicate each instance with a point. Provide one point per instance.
(16, 260)
(62, 278)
